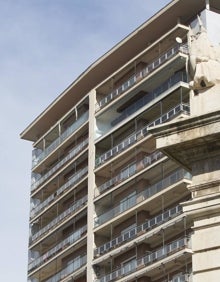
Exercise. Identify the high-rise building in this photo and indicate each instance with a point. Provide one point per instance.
(106, 204)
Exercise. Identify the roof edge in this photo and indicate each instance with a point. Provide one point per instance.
(93, 65)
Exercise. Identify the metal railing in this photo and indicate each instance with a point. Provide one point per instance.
(71, 182)
(75, 236)
(142, 74)
(180, 277)
(131, 170)
(70, 155)
(69, 269)
(38, 157)
(149, 97)
(148, 259)
(134, 232)
(136, 136)
(56, 221)
(147, 193)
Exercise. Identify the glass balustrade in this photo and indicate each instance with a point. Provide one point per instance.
(133, 232)
(149, 97)
(58, 248)
(40, 155)
(71, 155)
(136, 136)
(150, 191)
(131, 170)
(142, 74)
(72, 181)
(72, 266)
(181, 277)
(56, 221)
(148, 259)
(163, 251)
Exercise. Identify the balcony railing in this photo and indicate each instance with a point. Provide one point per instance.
(131, 170)
(134, 232)
(70, 269)
(136, 136)
(76, 206)
(147, 260)
(75, 236)
(72, 181)
(181, 277)
(140, 197)
(71, 155)
(149, 97)
(164, 251)
(38, 157)
(142, 74)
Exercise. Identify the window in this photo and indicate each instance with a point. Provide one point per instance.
(128, 171)
(129, 232)
(128, 202)
(129, 265)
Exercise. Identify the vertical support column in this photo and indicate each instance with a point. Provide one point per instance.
(91, 187)
(207, 4)
(44, 144)
(59, 128)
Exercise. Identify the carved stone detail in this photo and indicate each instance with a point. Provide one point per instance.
(204, 60)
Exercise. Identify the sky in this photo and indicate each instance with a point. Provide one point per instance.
(44, 46)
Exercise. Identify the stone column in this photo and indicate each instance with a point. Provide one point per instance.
(194, 142)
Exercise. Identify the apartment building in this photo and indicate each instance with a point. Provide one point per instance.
(105, 202)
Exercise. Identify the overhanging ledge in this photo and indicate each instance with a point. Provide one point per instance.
(183, 139)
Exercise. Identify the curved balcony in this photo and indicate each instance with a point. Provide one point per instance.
(140, 197)
(73, 180)
(134, 232)
(136, 136)
(75, 236)
(76, 150)
(72, 267)
(142, 74)
(76, 206)
(148, 259)
(39, 156)
(131, 170)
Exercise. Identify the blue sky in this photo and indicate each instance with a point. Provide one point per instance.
(44, 46)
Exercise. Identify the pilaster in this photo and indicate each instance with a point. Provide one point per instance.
(91, 185)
